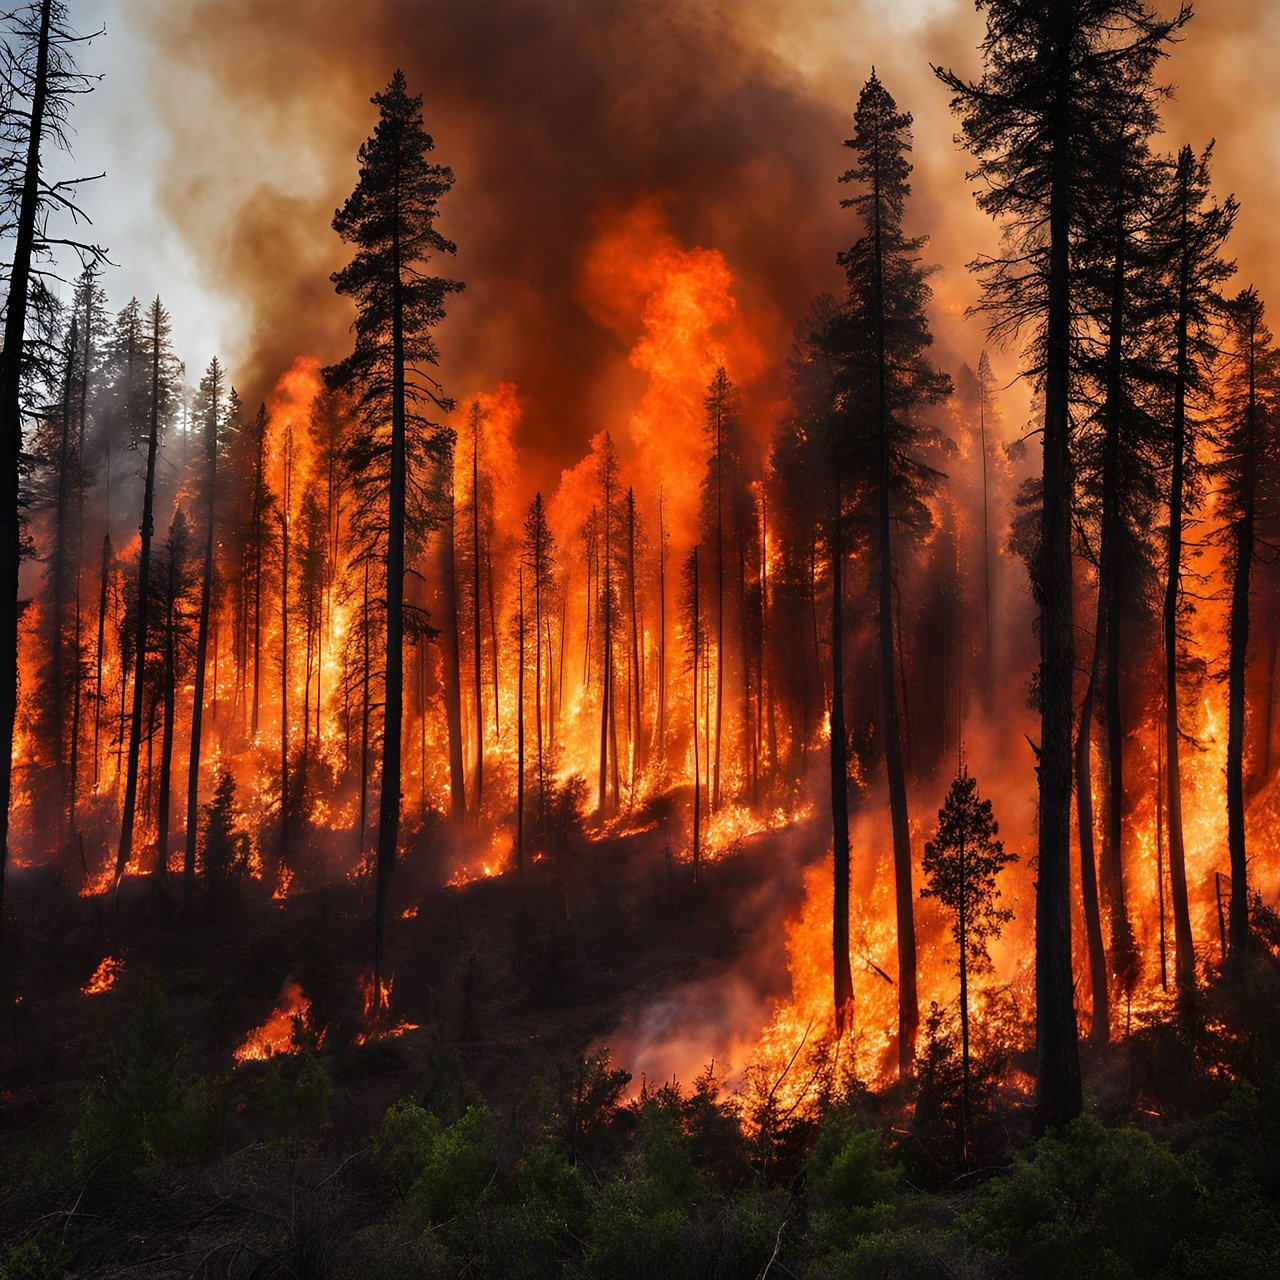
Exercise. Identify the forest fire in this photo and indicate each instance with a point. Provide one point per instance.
(279, 1033)
(688, 636)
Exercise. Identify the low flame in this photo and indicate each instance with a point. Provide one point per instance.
(104, 976)
(276, 1035)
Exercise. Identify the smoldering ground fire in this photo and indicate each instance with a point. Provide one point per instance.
(622, 579)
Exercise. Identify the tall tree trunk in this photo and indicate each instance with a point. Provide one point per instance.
(493, 633)
(1058, 1089)
(715, 780)
(637, 735)
(259, 478)
(908, 1009)
(965, 1086)
(841, 969)
(662, 635)
(284, 653)
(67, 462)
(1184, 969)
(365, 710)
(163, 834)
(202, 650)
(1243, 549)
(1100, 1024)
(697, 772)
(606, 695)
(520, 726)
(393, 700)
(478, 785)
(99, 657)
(452, 666)
(11, 357)
(538, 571)
(1123, 953)
(125, 851)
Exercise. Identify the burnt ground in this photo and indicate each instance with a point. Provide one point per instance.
(507, 975)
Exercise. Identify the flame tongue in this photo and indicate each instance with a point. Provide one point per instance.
(276, 1034)
(104, 976)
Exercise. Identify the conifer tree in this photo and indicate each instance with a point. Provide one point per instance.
(390, 218)
(173, 581)
(1248, 476)
(883, 382)
(694, 626)
(219, 415)
(538, 562)
(961, 865)
(41, 82)
(1191, 229)
(161, 397)
(1039, 123)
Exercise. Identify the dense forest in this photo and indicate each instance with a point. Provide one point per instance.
(830, 831)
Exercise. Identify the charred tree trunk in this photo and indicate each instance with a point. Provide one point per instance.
(202, 650)
(284, 653)
(452, 666)
(1242, 537)
(99, 660)
(478, 784)
(520, 726)
(908, 1010)
(125, 851)
(1184, 969)
(1058, 1089)
(841, 970)
(11, 357)
(1123, 949)
(1100, 1024)
(697, 772)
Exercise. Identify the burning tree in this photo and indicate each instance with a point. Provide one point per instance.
(961, 864)
(390, 217)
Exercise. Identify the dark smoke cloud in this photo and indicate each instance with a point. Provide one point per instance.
(553, 116)
(557, 114)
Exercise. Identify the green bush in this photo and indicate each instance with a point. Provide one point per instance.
(441, 1171)
(1087, 1200)
(850, 1191)
(138, 1107)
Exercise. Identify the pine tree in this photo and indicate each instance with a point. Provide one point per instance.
(694, 626)
(538, 562)
(161, 398)
(1039, 122)
(41, 81)
(220, 420)
(173, 581)
(225, 848)
(390, 217)
(1248, 476)
(884, 381)
(607, 556)
(724, 463)
(1191, 229)
(961, 865)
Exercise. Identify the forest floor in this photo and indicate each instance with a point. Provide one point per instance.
(512, 973)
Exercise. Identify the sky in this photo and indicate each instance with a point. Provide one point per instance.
(227, 132)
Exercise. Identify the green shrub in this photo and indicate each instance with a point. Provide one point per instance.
(138, 1107)
(1087, 1200)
